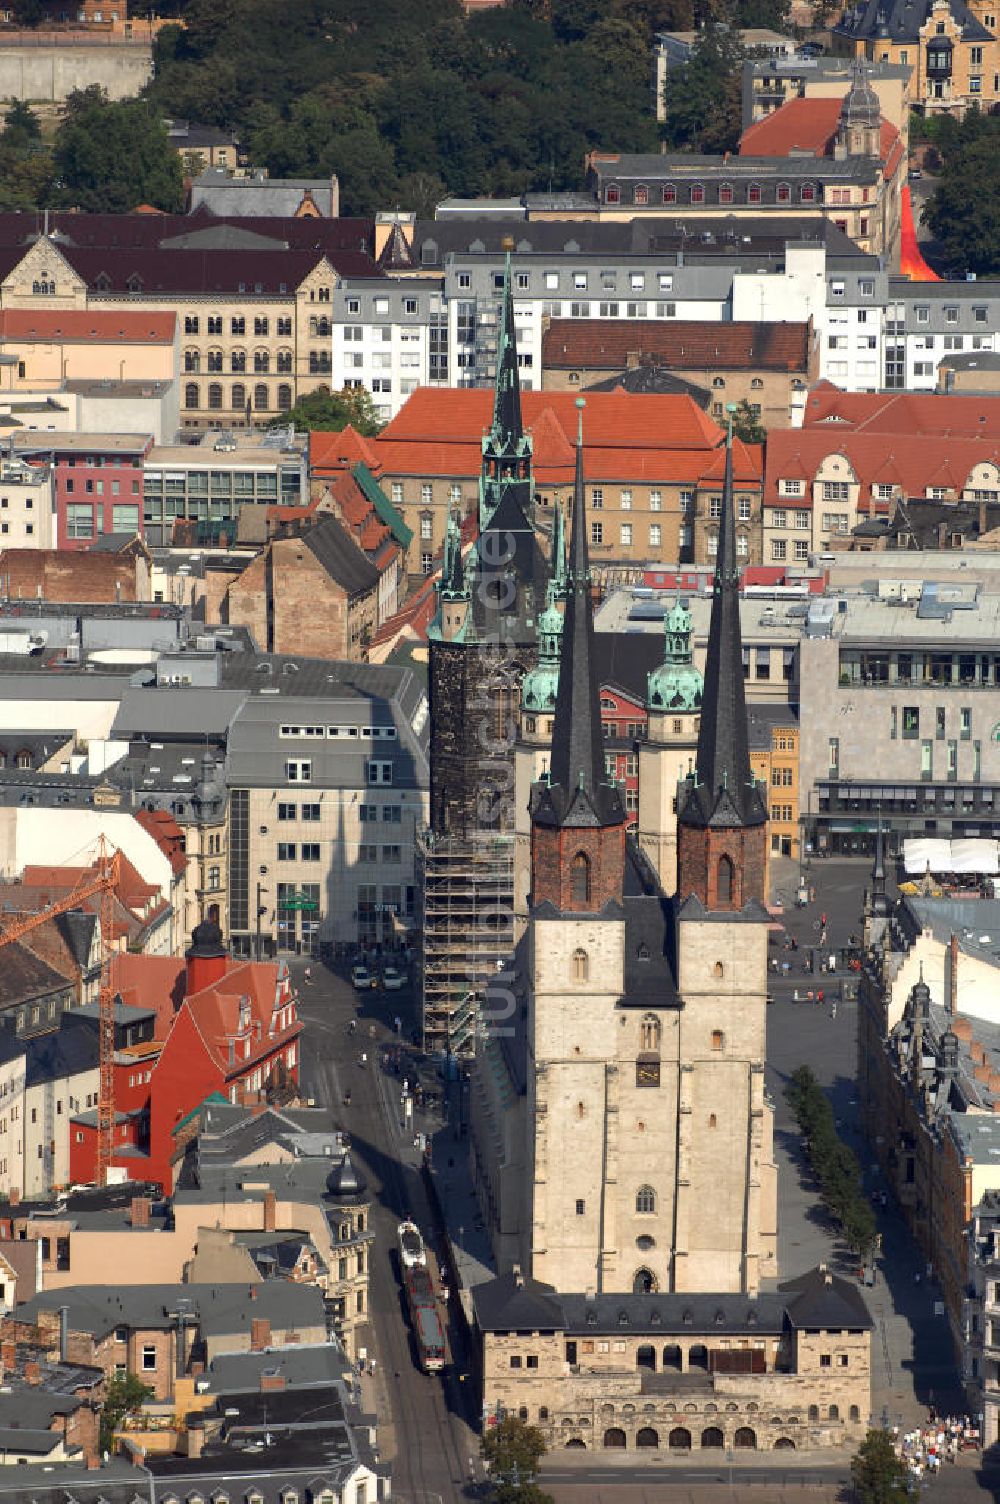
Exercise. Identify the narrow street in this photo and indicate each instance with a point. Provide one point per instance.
(423, 1428)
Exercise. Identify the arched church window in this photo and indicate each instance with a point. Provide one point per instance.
(581, 966)
(580, 880)
(645, 1201)
(650, 1031)
(724, 882)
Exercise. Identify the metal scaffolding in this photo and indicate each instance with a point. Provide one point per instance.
(467, 891)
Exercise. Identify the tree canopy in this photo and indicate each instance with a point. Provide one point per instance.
(963, 212)
(112, 155)
(879, 1476)
(327, 411)
(406, 102)
(124, 1395)
(512, 1450)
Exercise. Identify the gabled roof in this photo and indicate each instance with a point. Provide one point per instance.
(683, 344)
(911, 460)
(336, 551)
(823, 1301)
(914, 413)
(898, 21)
(330, 450)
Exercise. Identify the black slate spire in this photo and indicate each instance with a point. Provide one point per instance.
(880, 901)
(722, 791)
(578, 792)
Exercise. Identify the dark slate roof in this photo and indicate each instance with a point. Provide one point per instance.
(115, 1482)
(340, 556)
(652, 380)
(723, 791)
(24, 976)
(901, 20)
(20, 229)
(650, 936)
(821, 1300)
(222, 1309)
(816, 1301)
(65, 1052)
(515, 1303)
(652, 235)
(508, 550)
(146, 271)
(578, 793)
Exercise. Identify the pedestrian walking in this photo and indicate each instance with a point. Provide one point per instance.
(309, 976)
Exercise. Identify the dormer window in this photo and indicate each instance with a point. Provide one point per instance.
(807, 193)
(783, 193)
(725, 193)
(697, 193)
(134, 282)
(612, 194)
(669, 193)
(641, 194)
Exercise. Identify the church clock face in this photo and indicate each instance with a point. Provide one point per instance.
(647, 1073)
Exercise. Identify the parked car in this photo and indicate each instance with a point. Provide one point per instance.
(392, 979)
(362, 978)
(914, 174)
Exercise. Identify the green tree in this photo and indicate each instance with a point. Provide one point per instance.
(329, 412)
(124, 1395)
(880, 1477)
(111, 155)
(20, 128)
(963, 212)
(512, 1449)
(747, 425)
(702, 97)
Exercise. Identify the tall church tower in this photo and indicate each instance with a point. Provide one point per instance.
(481, 641)
(721, 813)
(726, 1217)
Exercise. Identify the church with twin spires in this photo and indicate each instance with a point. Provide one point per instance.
(620, 1132)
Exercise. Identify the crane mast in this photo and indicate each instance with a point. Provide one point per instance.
(102, 883)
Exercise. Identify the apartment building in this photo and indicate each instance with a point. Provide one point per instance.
(770, 82)
(208, 483)
(389, 335)
(96, 482)
(252, 302)
(27, 503)
(900, 681)
(328, 784)
(768, 366)
(950, 48)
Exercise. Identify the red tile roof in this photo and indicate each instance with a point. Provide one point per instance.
(216, 1013)
(95, 327)
(808, 127)
(911, 461)
(341, 451)
(167, 834)
(627, 437)
(902, 413)
(155, 982)
(683, 344)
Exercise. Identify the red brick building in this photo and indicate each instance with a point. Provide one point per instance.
(97, 480)
(222, 1026)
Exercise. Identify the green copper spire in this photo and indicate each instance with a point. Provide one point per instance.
(506, 447)
(541, 684)
(676, 684)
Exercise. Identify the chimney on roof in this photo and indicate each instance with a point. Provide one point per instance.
(271, 1383)
(32, 1373)
(140, 1211)
(260, 1334)
(64, 1334)
(270, 1211)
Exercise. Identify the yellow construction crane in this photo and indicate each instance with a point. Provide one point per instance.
(104, 882)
